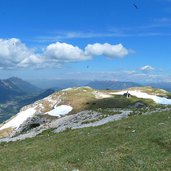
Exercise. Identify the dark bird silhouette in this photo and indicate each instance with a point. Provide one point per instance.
(135, 6)
(87, 66)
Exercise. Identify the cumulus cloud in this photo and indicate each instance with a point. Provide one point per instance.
(147, 68)
(106, 49)
(65, 52)
(68, 53)
(15, 54)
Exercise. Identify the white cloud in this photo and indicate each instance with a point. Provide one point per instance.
(147, 68)
(65, 52)
(15, 54)
(68, 53)
(106, 49)
(31, 61)
(129, 72)
(117, 75)
(61, 36)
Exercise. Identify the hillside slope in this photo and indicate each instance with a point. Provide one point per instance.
(92, 104)
(13, 106)
(135, 143)
(85, 129)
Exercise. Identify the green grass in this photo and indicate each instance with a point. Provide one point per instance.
(118, 101)
(114, 146)
(83, 99)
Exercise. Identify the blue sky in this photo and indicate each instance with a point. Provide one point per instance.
(86, 39)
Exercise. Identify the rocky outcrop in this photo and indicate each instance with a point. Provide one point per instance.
(35, 126)
(138, 105)
(30, 124)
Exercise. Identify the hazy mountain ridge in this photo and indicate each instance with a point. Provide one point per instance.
(23, 85)
(12, 87)
(112, 85)
(8, 91)
(59, 84)
(163, 85)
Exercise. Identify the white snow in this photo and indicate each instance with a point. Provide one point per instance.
(139, 94)
(60, 110)
(19, 118)
(100, 95)
(67, 89)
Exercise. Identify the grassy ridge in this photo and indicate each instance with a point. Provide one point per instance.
(84, 99)
(136, 143)
(118, 101)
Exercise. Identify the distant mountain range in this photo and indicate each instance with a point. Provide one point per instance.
(59, 84)
(13, 87)
(16, 93)
(112, 85)
(24, 85)
(62, 84)
(163, 85)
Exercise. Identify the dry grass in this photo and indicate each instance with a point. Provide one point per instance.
(5, 132)
(78, 99)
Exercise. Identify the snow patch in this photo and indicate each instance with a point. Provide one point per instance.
(67, 89)
(139, 94)
(100, 95)
(60, 110)
(19, 118)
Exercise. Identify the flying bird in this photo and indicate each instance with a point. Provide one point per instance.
(135, 6)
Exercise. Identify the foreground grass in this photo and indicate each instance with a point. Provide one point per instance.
(136, 143)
